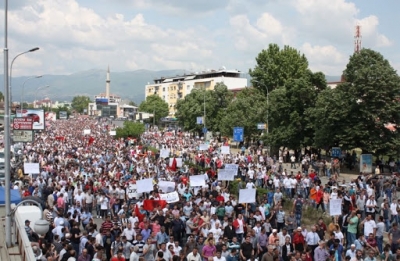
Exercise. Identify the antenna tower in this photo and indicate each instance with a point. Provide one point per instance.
(357, 39)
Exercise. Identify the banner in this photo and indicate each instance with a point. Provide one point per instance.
(366, 163)
(335, 207)
(164, 153)
(166, 186)
(234, 167)
(197, 181)
(144, 185)
(226, 174)
(31, 168)
(150, 204)
(170, 197)
(131, 191)
(225, 150)
(203, 147)
(247, 195)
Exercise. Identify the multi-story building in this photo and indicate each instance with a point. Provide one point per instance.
(171, 89)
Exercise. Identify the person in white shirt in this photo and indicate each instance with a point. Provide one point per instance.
(218, 257)
(352, 251)
(217, 232)
(194, 256)
(369, 225)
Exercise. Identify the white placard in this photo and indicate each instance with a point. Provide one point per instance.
(170, 197)
(225, 150)
(197, 181)
(203, 147)
(226, 174)
(131, 191)
(335, 207)
(31, 168)
(234, 167)
(86, 132)
(247, 195)
(179, 162)
(144, 185)
(113, 133)
(164, 153)
(166, 186)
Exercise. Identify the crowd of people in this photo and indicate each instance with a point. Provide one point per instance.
(86, 176)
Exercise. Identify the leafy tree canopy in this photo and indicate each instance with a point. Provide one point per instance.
(354, 114)
(130, 129)
(154, 104)
(79, 103)
(275, 66)
(192, 106)
(246, 110)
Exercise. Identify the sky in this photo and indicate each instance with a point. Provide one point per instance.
(192, 35)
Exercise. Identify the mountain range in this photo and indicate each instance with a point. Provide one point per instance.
(128, 85)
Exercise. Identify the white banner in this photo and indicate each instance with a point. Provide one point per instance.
(170, 197)
(197, 181)
(335, 207)
(31, 168)
(178, 162)
(86, 132)
(203, 147)
(225, 150)
(166, 186)
(234, 167)
(247, 195)
(144, 185)
(164, 153)
(226, 174)
(113, 133)
(131, 191)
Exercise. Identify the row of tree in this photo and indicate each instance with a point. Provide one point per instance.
(302, 111)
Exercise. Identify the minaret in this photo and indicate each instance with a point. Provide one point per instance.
(108, 83)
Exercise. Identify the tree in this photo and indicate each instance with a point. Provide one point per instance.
(289, 111)
(248, 109)
(1, 96)
(354, 114)
(79, 103)
(132, 103)
(192, 106)
(277, 66)
(130, 129)
(154, 104)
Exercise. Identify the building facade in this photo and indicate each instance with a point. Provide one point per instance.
(172, 89)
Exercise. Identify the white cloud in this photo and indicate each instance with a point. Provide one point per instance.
(334, 21)
(324, 58)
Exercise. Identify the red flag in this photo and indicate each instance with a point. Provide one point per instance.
(150, 204)
(173, 165)
(138, 214)
(91, 140)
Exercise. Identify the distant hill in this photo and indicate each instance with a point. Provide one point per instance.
(128, 85)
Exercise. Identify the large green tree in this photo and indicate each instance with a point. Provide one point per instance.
(289, 111)
(130, 129)
(192, 106)
(246, 110)
(354, 114)
(79, 103)
(154, 104)
(275, 66)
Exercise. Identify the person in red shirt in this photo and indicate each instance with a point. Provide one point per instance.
(118, 257)
(298, 240)
(319, 197)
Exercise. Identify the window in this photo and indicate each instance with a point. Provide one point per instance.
(188, 87)
(163, 89)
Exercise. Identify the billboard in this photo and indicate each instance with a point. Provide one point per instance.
(37, 116)
(63, 115)
(23, 136)
(101, 101)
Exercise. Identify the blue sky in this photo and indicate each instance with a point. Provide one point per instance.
(194, 35)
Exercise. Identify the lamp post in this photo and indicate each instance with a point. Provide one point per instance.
(266, 87)
(21, 106)
(7, 134)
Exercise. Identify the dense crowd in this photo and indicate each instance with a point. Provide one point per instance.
(85, 180)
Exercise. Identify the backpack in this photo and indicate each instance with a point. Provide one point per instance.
(298, 205)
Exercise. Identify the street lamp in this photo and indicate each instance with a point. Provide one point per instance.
(21, 106)
(37, 91)
(266, 87)
(7, 134)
